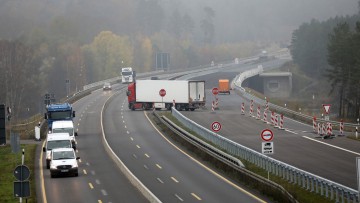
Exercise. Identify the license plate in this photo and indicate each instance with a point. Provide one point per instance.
(65, 170)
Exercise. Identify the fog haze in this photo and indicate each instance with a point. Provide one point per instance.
(234, 20)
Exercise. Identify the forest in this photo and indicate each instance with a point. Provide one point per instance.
(44, 43)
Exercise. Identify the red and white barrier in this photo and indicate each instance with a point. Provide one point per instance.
(319, 129)
(265, 116)
(272, 118)
(314, 124)
(251, 108)
(216, 103)
(341, 127)
(329, 129)
(213, 106)
(173, 102)
(258, 113)
(281, 127)
(276, 124)
(243, 108)
(267, 105)
(323, 129)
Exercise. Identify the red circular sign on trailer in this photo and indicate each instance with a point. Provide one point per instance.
(216, 126)
(162, 92)
(215, 91)
(267, 135)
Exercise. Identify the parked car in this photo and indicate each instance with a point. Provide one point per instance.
(63, 162)
(107, 86)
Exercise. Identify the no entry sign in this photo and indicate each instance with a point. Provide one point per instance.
(216, 126)
(162, 92)
(215, 91)
(267, 135)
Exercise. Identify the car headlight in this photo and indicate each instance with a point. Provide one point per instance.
(74, 165)
(53, 166)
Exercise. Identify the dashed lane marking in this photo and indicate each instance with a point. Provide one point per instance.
(197, 197)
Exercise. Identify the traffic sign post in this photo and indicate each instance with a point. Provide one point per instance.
(216, 126)
(267, 147)
(162, 94)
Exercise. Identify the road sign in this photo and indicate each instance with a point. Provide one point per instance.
(216, 126)
(21, 188)
(267, 135)
(215, 91)
(267, 148)
(22, 173)
(162, 92)
(327, 108)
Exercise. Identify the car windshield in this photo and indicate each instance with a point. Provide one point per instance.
(58, 144)
(63, 130)
(63, 155)
(59, 115)
(126, 73)
(106, 84)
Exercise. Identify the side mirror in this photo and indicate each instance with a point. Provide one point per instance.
(73, 114)
(77, 158)
(76, 134)
(128, 93)
(44, 149)
(45, 116)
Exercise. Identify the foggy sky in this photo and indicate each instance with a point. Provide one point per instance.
(235, 20)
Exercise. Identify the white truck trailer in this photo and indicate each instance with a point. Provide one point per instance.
(158, 94)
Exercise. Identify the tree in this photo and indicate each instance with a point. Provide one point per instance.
(207, 25)
(340, 57)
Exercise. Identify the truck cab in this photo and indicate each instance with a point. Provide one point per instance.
(56, 112)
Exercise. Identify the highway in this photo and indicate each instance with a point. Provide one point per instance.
(333, 159)
(171, 174)
(99, 178)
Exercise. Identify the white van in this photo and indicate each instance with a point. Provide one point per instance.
(63, 161)
(65, 126)
(54, 141)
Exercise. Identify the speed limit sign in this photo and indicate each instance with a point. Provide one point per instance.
(216, 126)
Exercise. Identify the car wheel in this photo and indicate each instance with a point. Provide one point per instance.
(52, 175)
(47, 164)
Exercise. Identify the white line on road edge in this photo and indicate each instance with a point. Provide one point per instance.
(332, 145)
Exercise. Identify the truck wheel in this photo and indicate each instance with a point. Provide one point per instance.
(192, 109)
(168, 106)
(144, 106)
(178, 107)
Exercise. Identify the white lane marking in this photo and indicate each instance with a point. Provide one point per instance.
(131, 138)
(97, 181)
(291, 131)
(158, 166)
(346, 150)
(84, 171)
(104, 192)
(177, 196)
(147, 155)
(134, 155)
(92, 172)
(138, 146)
(127, 132)
(160, 180)
(175, 180)
(145, 166)
(197, 197)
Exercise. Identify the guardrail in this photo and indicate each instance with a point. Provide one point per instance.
(230, 161)
(304, 179)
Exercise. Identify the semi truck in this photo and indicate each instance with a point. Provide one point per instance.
(56, 112)
(159, 94)
(127, 75)
(224, 86)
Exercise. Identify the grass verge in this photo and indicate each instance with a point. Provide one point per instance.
(9, 161)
